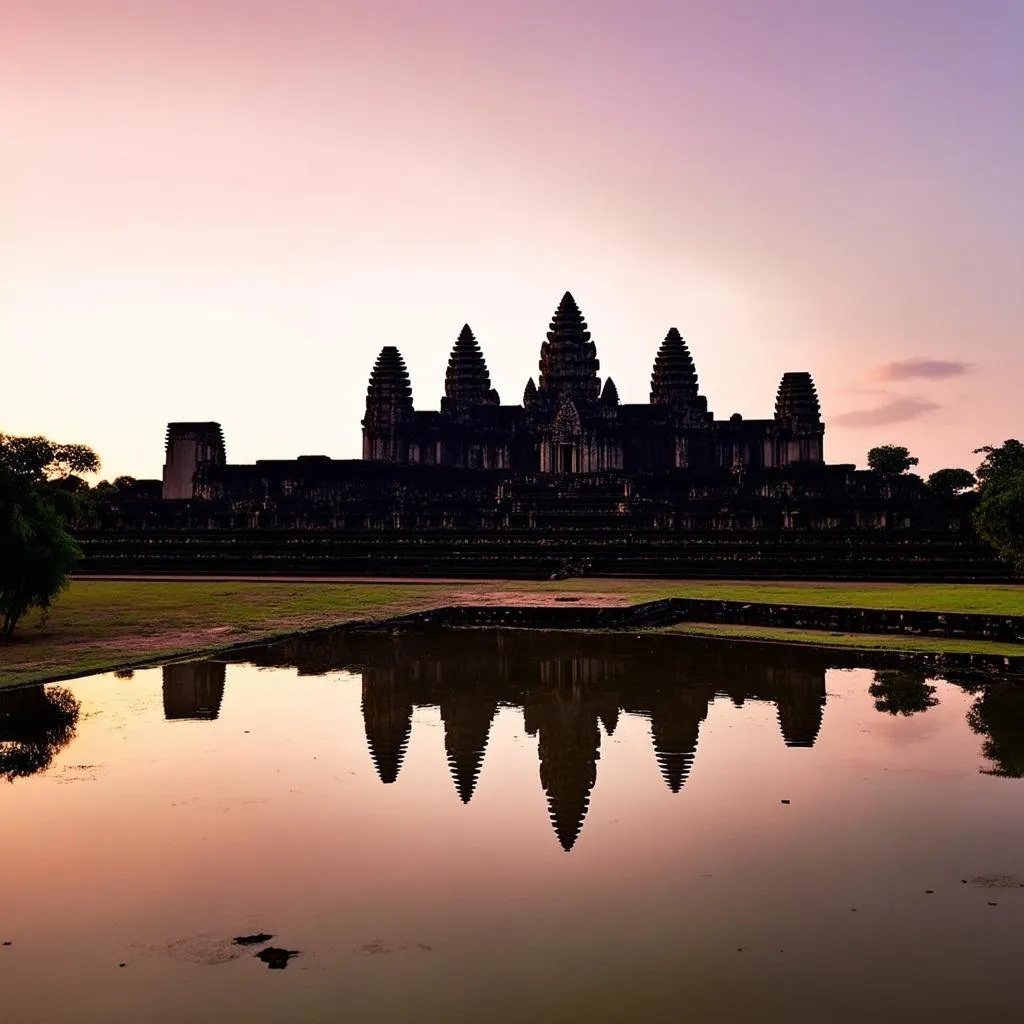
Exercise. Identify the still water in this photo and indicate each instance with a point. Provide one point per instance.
(487, 826)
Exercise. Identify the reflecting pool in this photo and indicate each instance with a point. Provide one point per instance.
(510, 826)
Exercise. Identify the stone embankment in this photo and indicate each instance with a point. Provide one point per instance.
(673, 611)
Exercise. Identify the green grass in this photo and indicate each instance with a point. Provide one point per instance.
(99, 625)
(851, 641)
(979, 598)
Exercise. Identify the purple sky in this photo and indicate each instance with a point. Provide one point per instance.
(223, 209)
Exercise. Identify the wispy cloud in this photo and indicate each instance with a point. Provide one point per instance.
(928, 369)
(898, 409)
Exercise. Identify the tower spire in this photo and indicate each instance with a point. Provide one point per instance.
(568, 358)
(467, 381)
(674, 377)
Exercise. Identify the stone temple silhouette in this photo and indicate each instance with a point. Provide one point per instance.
(627, 483)
(568, 423)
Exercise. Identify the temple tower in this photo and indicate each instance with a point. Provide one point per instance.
(573, 434)
(467, 382)
(193, 690)
(674, 387)
(799, 432)
(568, 358)
(189, 447)
(388, 408)
(674, 377)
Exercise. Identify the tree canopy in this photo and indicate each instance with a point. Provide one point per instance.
(948, 482)
(890, 459)
(999, 517)
(39, 494)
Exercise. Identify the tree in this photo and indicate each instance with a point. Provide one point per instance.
(890, 460)
(902, 692)
(999, 517)
(949, 482)
(39, 493)
(35, 724)
(1000, 463)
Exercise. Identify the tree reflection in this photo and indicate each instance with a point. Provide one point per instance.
(35, 724)
(902, 692)
(998, 714)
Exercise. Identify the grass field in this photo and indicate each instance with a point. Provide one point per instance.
(983, 599)
(99, 625)
(854, 641)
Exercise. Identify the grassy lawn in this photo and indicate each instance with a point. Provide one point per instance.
(858, 641)
(980, 598)
(100, 625)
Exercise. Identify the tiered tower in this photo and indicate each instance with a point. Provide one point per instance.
(467, 382)
(568, 358)
(190, 447)
(799, 430)
(388, 407)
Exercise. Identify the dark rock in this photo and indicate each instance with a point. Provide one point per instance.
(252, 940)
(276, 958)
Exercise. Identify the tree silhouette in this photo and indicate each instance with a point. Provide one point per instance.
(998, 714)
(35, 724)
(902, 692)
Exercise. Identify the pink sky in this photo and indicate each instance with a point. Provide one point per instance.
(222, 209)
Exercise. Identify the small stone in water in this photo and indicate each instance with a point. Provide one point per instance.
(276, 959)
(252, 940)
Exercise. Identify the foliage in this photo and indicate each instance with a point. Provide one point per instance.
(999, 517)
(1000, 463)
(35, 723)
(949, 482)
(39, 492)
(38, 459)
(998, 715)
(890, 460)
(902, 692)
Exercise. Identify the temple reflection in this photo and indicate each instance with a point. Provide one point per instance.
(571, 688)
(193, 690)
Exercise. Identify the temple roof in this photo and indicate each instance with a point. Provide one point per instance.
(467, 381)
(797, 398)
(389, 379)
(610, 394)
(568, 358)
(674, 377)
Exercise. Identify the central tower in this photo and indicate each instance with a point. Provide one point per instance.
(568, 359)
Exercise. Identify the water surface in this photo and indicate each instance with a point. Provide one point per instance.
(470, 826)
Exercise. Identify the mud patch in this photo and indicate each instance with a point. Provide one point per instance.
(381, 946)
(208, 950)
(996, 882)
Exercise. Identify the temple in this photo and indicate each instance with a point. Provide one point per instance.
(568, 423)
(570, 478)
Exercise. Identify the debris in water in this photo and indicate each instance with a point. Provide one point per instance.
(785, 801)
(252, 940)
(931, 892)
(275, 958)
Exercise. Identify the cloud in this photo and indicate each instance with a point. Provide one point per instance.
(896, 410)
(929, 369)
